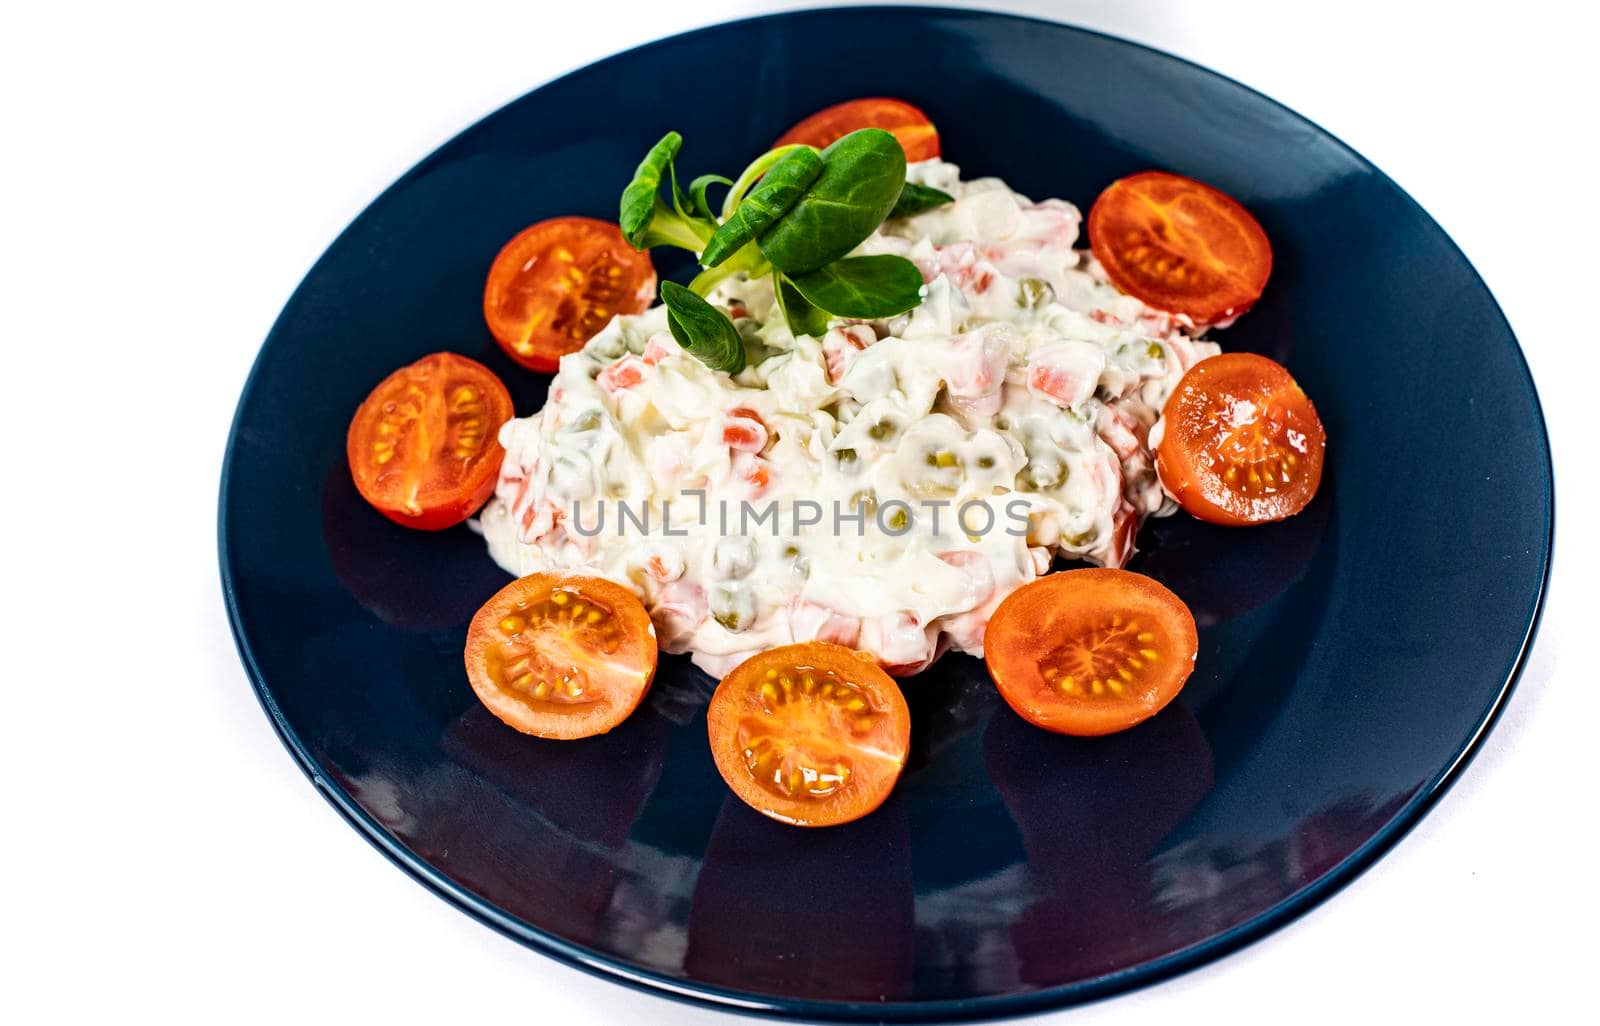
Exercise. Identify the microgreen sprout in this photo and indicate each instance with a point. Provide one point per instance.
(793, 215)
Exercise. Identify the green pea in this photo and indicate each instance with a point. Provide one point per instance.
(607, 347)
(881, 430)
(1034, 292)
(725, 609)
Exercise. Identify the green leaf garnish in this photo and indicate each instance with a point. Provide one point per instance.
(915, 199)
(869, 286)
(802, 317)
(752, 174)
(645, 220)
(862, 176)
(792, 215)
(699, 206)
(702, 329)
(643, 194)
(781, 188)
(680, 200)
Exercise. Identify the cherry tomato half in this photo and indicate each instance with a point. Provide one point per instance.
(1090, 652)
(561, 656)
(811, 734)
(1241, 443)
(424, 448)
(558, 283)
(1179, 245)
(906, 123)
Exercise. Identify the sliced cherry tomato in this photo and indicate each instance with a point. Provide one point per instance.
(424, 448)
(1180, 246)
(558, 283)
(811, 734)
(1090, 652)
(906, 123)
(1241, 444)
(561, 656)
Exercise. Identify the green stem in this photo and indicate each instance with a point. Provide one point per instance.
(668, 228)
(748, 260)
(758, 167)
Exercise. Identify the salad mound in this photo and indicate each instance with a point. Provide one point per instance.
(1001, 422)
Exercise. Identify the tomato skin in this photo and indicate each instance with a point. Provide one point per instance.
(557, 283)
(1180, 246)
(906, 123)
(1090, 652)
(440, 398)
(543, 662)
(1241, 444)
(811, 735)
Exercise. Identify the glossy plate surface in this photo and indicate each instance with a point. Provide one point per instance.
(1350, 659)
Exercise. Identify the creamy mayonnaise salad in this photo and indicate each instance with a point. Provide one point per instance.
(882, 487)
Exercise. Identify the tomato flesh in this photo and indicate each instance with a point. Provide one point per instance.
(1089, 652)
(561, 656)
(906, 123)
(811, 734)
(1241, 443)
(424, 447)
(1179, 245)
(559, 282)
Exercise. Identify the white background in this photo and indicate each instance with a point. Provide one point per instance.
(171, 173)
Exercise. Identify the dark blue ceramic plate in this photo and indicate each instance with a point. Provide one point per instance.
(1351, 659)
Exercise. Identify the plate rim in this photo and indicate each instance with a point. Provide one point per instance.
(708, 995)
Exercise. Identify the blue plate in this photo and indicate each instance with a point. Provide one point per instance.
(1350, 659)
